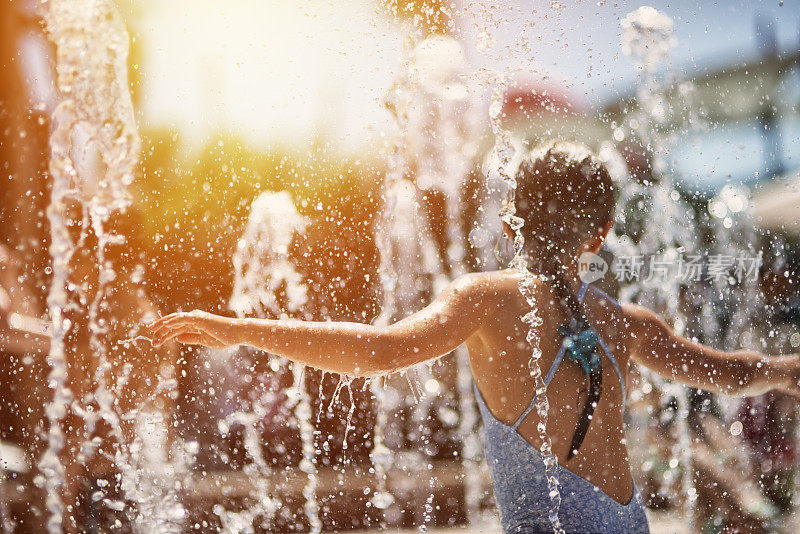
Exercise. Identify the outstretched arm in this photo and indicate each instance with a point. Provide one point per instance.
(350, 348)
(656, 346)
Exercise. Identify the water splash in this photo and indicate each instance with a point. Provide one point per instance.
(408, 257)
(261, 266)
(648, 40)
(443, 148)
(398, 192)
(134, 339)
(431, 109)
(300, 402)
(262, 273)
(93, 152)
(8, 524)
(157, 478)
(670, 226)
(258, 472)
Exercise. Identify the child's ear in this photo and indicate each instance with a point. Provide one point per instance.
(603, 233)
(596, 242)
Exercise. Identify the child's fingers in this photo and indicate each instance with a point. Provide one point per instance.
(161, 320)
(161, 331)
(172, 333)
(173, 322)
(172, 318)
(156, 327)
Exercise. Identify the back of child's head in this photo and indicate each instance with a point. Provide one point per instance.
(565, 195)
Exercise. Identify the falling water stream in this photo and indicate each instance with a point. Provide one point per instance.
(93, 152)
(262, 269)
(503, 155)
(501, 185)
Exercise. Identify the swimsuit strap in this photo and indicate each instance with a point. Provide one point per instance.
(613, 361)
(556, 362)
(560, 357)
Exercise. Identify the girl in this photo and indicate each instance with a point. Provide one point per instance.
(566, 199)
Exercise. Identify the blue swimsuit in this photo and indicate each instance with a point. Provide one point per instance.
(520, 486)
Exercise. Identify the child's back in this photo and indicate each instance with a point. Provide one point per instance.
(500, 358)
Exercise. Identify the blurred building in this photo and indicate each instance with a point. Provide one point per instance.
(743, 129)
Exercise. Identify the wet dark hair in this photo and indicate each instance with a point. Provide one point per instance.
(565, 195)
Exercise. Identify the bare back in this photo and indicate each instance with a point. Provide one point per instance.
(500, 356)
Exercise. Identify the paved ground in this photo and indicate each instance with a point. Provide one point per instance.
(660, 523)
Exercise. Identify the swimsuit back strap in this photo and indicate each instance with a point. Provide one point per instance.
(613, 362)
(605, 347)
(556, 362)
(582, 291)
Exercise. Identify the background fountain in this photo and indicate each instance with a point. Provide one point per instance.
(422, 243)
(94, 150)
(654, 208)
(267, 285)
(695, 256)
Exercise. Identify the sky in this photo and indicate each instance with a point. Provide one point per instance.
(579, 45)
(283, 72)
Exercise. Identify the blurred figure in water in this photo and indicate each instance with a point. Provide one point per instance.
(768, 426)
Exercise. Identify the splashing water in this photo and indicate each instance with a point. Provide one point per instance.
(261, 266)
(301, 403)
(258, 472)
(159, 508)
(501, 184)
(441, 134)
(262, 269)
(134, 339)
(93, 152)
(430, 106)
(648, 40)
(400, 219)
(671, 226)
(403, 266)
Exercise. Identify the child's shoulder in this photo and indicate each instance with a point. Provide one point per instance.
(494, 284)
(489, 278)
(506, 284)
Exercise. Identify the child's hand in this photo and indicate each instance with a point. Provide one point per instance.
(195, 328)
